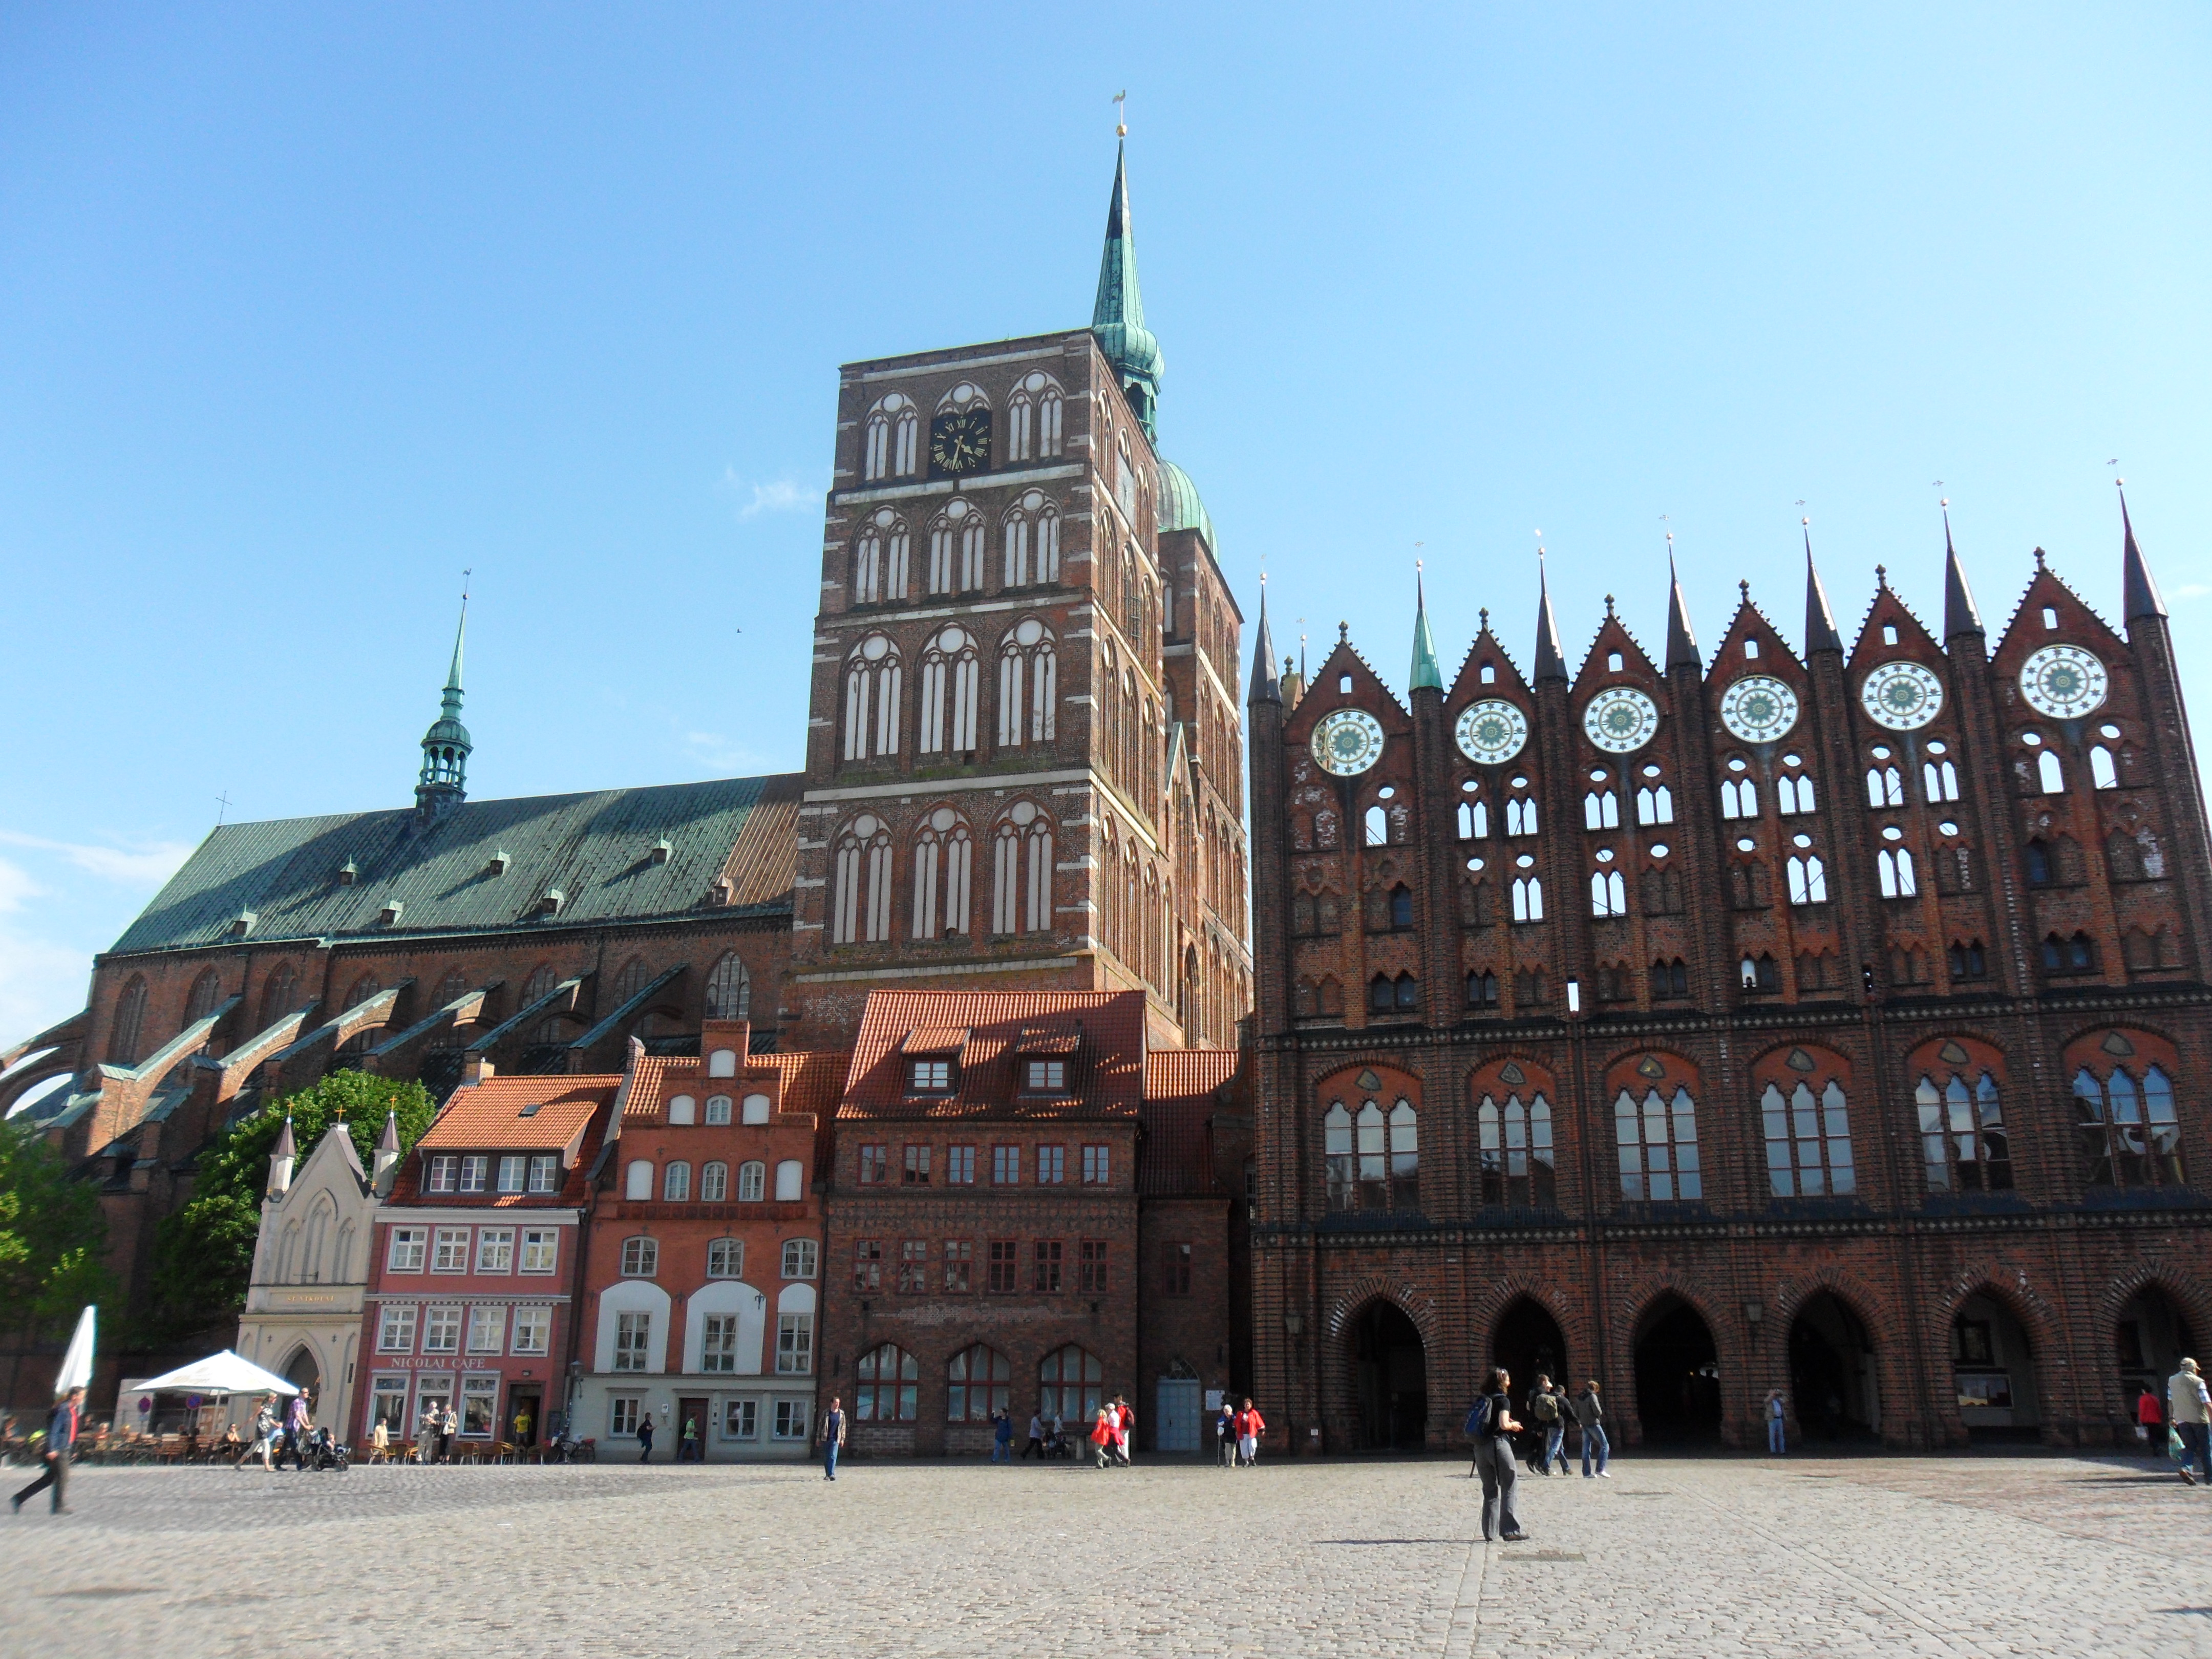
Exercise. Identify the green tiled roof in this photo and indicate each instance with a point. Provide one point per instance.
(1180, 507)
(598, 850)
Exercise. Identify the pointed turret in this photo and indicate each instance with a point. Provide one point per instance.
(281, 1160)
(1265, 686)
(2139, 593)
(1960, 616)
(1426, 674)
(1820, 633)
(442, 785)
(1681, 642)
(1117, 317)
(1550, 664)
(387, 1153)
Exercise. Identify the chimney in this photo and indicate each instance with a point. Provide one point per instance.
(474, 1069)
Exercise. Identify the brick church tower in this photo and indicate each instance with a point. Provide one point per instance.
(1024, 754)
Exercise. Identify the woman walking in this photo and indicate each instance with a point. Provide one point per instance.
(1249, 1428)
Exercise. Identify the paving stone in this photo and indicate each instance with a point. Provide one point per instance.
(1937, 1556)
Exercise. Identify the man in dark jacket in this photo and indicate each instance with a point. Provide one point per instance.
(61, 1436)
(1591, 1415)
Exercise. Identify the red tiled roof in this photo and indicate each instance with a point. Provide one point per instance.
(1183, 1090)
(936, 1040)
(1049, 1036)
(486, 1116)
(1105, 1077)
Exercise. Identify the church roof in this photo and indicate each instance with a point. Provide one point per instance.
(487, 866)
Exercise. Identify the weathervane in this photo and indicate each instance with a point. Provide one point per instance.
(1121, 113)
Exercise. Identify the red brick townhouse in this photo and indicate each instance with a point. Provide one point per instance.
(702, 1276)
(473, 1271)
(986, 1241)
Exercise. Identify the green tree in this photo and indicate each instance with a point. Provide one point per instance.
(53, 1238)
(203, 1253)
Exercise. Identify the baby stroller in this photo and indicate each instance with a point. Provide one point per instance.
(323, 1452)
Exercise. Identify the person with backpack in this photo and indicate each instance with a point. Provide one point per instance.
(1493, 1425)
(1590, 1416)
(1547, 1408)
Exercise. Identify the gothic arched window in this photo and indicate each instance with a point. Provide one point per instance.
(943, 856)
(873, 675)
(129, 1023)
(860, 899)
(951, 680)
(885, 1385)
(1516, 1149)
(1028, 684)
(1809, 1140)
(1021, 877)
(2130, 1135)
(956, 550)
(1032, 541)
(1962, 1130)
(1894, 869)
(1658, 1139)
(2051, 776)
(891, 439)
(880, 558)
(1033, 418)
(1808, 881)
(729, 989)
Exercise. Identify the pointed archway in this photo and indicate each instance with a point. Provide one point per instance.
(1390, 1377)
(304, 1372)
(2150, 1338)
(1993, 1372)
(1834, 1383)
(1678, 1387)
(1528, 1342)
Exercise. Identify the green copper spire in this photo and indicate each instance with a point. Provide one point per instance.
(1118, 316)
(1426, 674)
(442, 785)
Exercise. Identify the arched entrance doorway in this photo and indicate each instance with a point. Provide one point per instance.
(302, 1371)
(1528, 1342)
(1678, 1384)
(1833, 1385)
(1993, 1372)
(2150, 1340)
(1390, 1377)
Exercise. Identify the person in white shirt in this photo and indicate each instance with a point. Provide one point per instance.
(2189, 1408)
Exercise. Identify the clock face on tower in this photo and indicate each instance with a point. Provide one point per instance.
(1347, 742)
(2063, 681)
(1758, 709)
(1620, 720)
(960, 441)
(1492, 732)
(1902, 696)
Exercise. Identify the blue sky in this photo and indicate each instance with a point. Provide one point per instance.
(303, 309)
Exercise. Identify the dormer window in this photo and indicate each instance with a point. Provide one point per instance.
(931, 1076)
(1045, 1076)
(348, 872)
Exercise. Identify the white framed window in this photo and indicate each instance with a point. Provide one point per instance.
(1808, 881)
(403, 1255)
(445, 1174)
(1048, 1075)
(539, 1249)
(726, 1258)
(741, 1420)
(476, 1171)
(637, 1181)
(757, 1108)
(676, 1183)
(799, 1258)
(451, 1253)
(713, 1183)
(718, 1110)
(752, 1182)
(487, 1329)
(442, 1330)
(1097, 1166)
(641, 1257)
(790, 1181)
(794, 1345)
(546, 1172)
(1799, 1128)
(633, 1339)
(395, 1331)
(533, 1328)
(683, 1109)
(387, 1404)
(791, 1419)
(480, 1407)
(622, 1416)
(1658, 1141)
(718, 1346)
(495, 1249)
(511, 1171)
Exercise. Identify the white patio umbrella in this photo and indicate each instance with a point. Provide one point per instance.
(219, 1373)
(77, 1363)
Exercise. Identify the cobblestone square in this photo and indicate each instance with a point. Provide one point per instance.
(1979, 1556)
